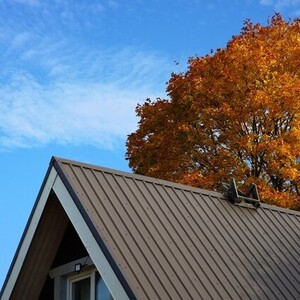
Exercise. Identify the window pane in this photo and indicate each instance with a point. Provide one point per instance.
(102, 292)
(81, 289)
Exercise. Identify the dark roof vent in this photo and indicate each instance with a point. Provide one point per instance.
(237, 197)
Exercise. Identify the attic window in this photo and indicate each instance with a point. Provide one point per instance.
(79, 280)
(88, 285)
(237, 197)
(80, 287)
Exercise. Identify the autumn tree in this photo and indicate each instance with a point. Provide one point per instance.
(233, 113)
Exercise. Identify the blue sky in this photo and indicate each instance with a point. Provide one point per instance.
(72, 72)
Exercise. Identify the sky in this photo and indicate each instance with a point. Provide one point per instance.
(73, 71)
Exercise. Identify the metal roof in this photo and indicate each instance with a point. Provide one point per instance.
(170, 241)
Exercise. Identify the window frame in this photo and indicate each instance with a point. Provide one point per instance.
(81, 276)
(66, 274)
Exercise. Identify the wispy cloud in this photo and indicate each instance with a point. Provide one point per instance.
(27, 2)
(98, 114)
(266, 2)
(20, 39)
(280, 4)
(75, 105)
(57, 88)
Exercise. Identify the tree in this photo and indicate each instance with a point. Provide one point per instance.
(233, 113)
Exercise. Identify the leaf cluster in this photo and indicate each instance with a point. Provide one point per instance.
(233, 113)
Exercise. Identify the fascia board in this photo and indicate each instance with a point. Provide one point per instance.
(28, 236)
(89, 241)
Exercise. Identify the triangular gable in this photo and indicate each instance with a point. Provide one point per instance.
(160, 240)
(44, 232)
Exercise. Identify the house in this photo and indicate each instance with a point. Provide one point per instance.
(95, 231)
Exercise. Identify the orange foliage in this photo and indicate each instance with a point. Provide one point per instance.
(234, 113)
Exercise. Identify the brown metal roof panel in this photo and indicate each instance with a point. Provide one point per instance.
(188, 223)
(237, 226)
(82, 193)
(160, 246)
(230, 253)
(289, 225)
(147, 246)
(282, 244)
(222, 251)
(174, 224)
(260, 261)
(177, 242)
(212, 262)
(164, 238)
(115, 206)
(271, 243)
(146, 218)
(105, 212)
(264, 254)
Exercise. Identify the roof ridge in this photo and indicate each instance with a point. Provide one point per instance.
(163, 182)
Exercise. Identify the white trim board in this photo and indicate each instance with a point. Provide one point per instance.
(31, 229)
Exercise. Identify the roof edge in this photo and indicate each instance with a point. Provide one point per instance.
(139, 177)
(26, 228)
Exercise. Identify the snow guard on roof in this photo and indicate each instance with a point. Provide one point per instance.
(237, 197)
